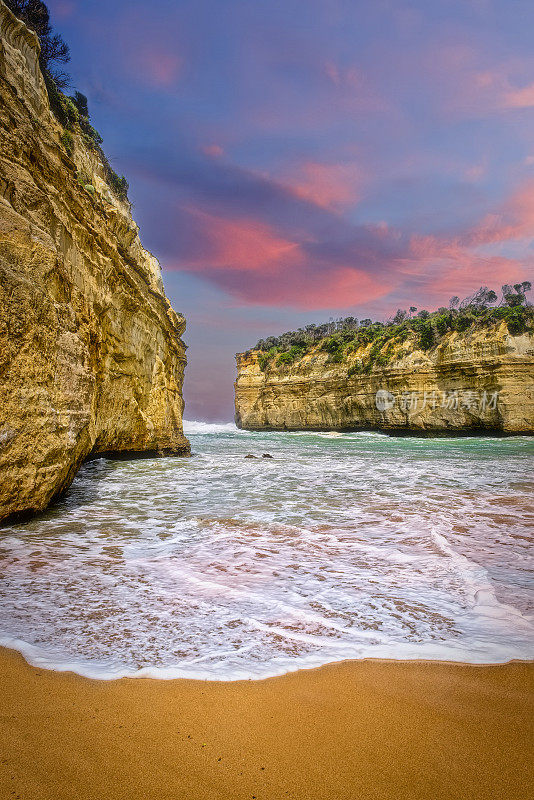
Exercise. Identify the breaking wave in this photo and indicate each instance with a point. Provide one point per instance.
(218, 566)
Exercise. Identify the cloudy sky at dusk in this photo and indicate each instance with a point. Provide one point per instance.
(292, 160)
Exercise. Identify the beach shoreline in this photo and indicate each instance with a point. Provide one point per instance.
(357, 729)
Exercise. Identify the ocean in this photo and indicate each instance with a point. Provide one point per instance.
(340, 546)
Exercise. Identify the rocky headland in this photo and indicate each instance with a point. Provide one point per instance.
(91, 355)
(451, 372)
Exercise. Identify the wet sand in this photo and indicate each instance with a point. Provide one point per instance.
(355, 731)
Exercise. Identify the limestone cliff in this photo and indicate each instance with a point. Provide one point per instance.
(472, 381)
(91, 358)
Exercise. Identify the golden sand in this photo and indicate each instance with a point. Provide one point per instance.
(359, 730)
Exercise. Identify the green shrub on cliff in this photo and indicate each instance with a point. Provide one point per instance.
(71, 112)
(339, 338)
(426, 336)
(354, 369)
(118, 184)
(443, 323)
(463, 322)
(68, 142)
(285, 358)
(263, 361)
(336, 358)
(518, 318)
(332, 345)
(55, 98)
(80, 101)
(293, 354)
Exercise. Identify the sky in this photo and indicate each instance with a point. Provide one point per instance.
(295, 160)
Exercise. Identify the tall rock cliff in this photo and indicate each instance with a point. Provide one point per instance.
(91, 358)
(475, 381)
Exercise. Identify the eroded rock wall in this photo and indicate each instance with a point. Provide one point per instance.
(91, 358)
(475, 381)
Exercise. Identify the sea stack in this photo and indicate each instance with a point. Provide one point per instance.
(91, 355)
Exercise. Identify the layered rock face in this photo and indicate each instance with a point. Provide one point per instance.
(473, 381)
(91, 359)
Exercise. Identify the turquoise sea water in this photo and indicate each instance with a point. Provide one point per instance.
(340, 546)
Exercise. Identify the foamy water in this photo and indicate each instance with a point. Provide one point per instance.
(341, 546)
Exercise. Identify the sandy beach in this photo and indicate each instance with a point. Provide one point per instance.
(369, 729)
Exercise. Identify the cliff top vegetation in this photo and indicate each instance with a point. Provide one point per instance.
(424, 329)
(71, 112)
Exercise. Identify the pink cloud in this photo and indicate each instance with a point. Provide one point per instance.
(258, 265)
(158, 68)
(303, 255)
(241, 245)
(430, 281)
(303, 289)
(349, 78)
(213, 150)
(462, 79)
(520, 98)
(462, 252)
(475, 172)
(328, 185)
(456, 264)
(150, 50)
(349, 89)
(343, 287)
(492, 90)
(514, 220)
(254, 263)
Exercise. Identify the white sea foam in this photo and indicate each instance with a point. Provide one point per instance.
(341, 546)
(192, 428)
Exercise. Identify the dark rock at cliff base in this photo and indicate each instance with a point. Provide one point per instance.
(249, 455)
(267, 455)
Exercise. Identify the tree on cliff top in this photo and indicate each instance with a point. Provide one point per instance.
(54, 50)
(80, 101)
(341, 337)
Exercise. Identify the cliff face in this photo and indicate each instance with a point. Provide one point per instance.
(91, 358)
(481, 380)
